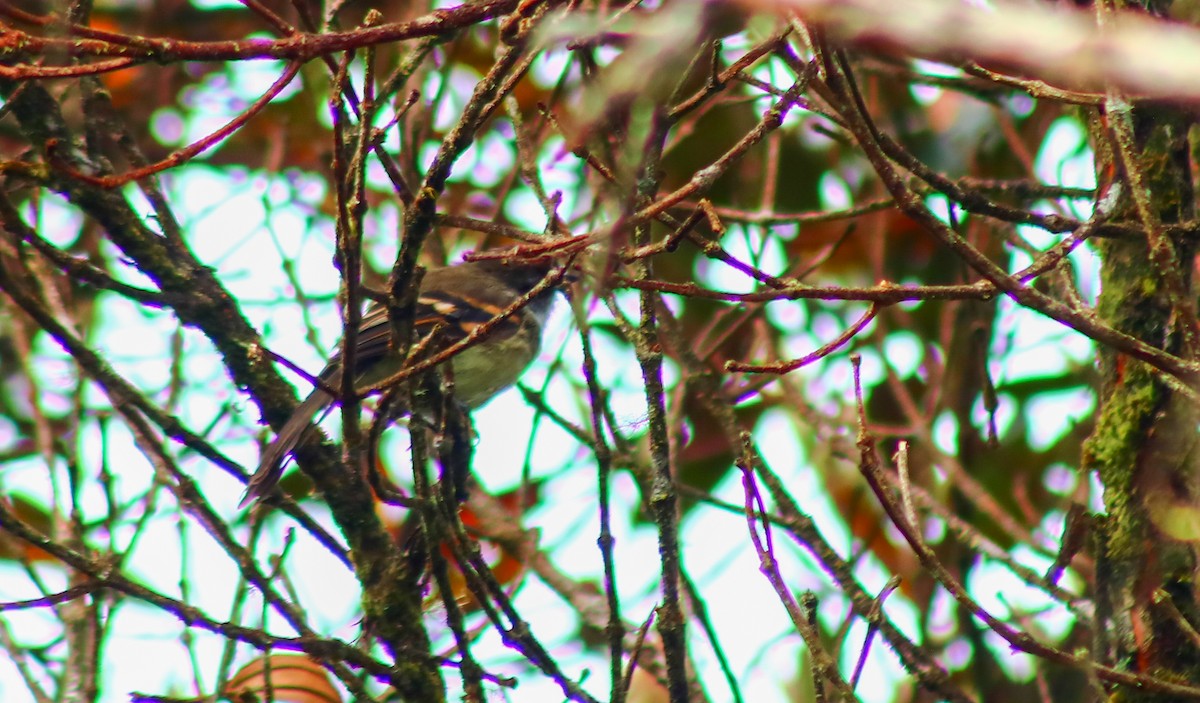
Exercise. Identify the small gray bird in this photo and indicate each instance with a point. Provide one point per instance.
(460, 298)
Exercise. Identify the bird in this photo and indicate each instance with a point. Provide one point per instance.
(453, 300)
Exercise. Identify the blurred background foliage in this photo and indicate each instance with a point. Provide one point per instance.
(986, 401)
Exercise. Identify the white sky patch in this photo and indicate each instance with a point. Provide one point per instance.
(945, 433)
(746, 244)
(454, 96)
(835, 194)
(1052, 414)
(939, 205)
(787, 314)
(1005, 595)
(548, 67)
(167, 125)
(1004, 415)
(1060, 479)
(1065, 157)
(904, 353)
(57, 224)
(929, 94)
(489, 160)
(1031, 345)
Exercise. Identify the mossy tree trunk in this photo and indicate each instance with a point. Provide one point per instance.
(1144, 443)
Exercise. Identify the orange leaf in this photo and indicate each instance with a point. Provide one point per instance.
(290, 678)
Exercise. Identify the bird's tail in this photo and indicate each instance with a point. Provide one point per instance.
(270, 467)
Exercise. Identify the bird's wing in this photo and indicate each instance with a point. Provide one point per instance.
(458, 315)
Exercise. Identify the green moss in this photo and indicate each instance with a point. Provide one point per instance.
(1112, 452)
